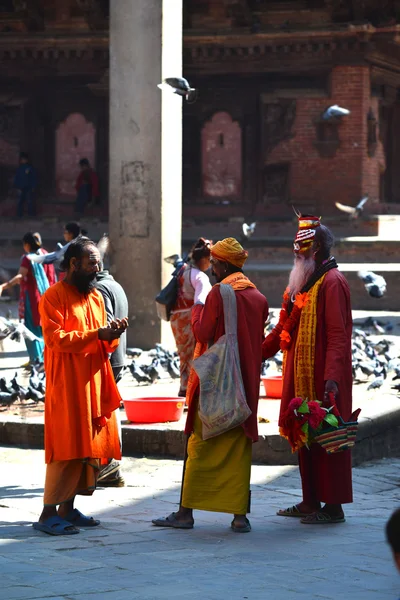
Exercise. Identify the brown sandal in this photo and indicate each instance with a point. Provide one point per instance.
(292, 511)
(172, 521)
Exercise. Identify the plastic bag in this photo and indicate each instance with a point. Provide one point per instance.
(222, 400)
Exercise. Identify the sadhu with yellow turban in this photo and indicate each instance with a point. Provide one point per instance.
(217, 474)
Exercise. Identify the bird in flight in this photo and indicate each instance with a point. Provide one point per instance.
(178, 85)
(335, 112)
(353, 211)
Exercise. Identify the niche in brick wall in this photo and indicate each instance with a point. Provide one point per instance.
(75, 139)
(276, 184)
(221, 144)
(327, 141)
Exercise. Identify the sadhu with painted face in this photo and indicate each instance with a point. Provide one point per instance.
(316, 341)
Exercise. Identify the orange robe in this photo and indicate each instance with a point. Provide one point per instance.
(80, 387)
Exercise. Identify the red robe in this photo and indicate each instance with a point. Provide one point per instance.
(208, 326)
(325, 478)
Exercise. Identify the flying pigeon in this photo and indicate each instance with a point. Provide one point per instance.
(353, 211)
(248, 230)
(374, 284)
(334, 112)
(51, 257)
(16, 331)
(178, 85)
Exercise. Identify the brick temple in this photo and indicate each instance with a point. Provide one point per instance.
(254, 138)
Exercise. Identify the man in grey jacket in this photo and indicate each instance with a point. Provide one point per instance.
(116, 304)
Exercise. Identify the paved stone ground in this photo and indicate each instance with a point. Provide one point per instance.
(127, 558)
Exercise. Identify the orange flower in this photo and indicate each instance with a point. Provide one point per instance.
(286, 295)
(285, 336)
(301, 299)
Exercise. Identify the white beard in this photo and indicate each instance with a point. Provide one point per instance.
(302, 270)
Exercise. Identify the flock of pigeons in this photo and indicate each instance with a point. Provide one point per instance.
(373, 359)
(155, 364)
(12, 390)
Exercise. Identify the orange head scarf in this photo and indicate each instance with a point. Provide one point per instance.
(229, 250)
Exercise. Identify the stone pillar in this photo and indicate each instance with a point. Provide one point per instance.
(145, 203)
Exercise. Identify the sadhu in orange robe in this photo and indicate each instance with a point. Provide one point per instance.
(81, 394)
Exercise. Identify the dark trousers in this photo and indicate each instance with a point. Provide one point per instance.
(83, 198)
(26, 197)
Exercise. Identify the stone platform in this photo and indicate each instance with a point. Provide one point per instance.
(378, 436)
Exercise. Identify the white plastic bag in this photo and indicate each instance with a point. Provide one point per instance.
(222, 401)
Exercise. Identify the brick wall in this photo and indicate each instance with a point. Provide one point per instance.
(350, 173)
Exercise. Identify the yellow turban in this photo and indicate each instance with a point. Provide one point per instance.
(229, 250)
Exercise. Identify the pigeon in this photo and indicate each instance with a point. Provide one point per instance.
(396, 387)
(374, 284)
(334, 112)
(134, 352)
(178, 85)
(16, 331)
(35, 395)
(138, 374)
(353, 211)
(22, 392)
(397, 374)
(155, 370)
(278, 359)
(248, 230)
(7, 399)
(378, 381)
(264, 368)
(173, 369)
(34, 381)
(103, 245)
(50, 257)
(4, 388)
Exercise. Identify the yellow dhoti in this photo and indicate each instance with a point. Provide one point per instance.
(217, 476)
(67, 478)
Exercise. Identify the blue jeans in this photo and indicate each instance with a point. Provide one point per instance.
(25, 196)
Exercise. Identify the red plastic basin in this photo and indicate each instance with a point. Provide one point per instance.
(273, 386)
(154, 410)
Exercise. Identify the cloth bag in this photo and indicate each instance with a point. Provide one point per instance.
(166, 299)
(222, 400)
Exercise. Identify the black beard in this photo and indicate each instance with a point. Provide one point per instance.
(83, 282)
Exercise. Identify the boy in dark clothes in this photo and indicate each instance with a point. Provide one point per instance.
(25, 181)
(116, 304)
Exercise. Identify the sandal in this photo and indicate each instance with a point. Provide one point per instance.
(243, 529)
(55, 526)
(172, 521)
(77, 518)
(292, 511)
(322, 518)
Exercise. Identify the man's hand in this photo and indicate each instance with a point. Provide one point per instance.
(330, 388)
(119, 325)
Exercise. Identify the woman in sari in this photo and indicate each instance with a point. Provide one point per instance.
(193, 284)
(34, 279)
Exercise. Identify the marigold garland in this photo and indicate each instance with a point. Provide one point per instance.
(289, 323)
